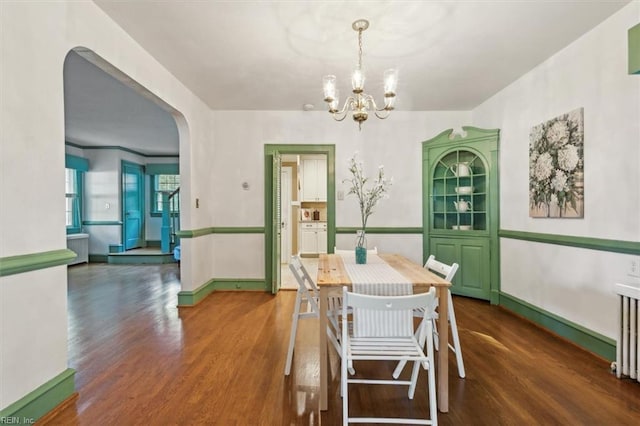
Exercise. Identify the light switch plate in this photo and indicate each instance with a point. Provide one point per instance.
(634, 267)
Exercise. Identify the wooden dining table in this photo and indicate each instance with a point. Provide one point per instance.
(332, 276)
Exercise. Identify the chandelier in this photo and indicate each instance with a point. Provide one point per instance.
(360, 103)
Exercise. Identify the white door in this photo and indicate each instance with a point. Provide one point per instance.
(285, 211)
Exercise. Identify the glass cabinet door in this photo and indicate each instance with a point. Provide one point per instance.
(459, 192)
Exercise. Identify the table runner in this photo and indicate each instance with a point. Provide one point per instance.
(377, 277)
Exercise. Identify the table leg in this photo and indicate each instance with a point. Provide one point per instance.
(443, 351)
(324, 364)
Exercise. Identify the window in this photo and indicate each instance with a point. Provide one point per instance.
(164, 183)
(74, 172)
(73, 190)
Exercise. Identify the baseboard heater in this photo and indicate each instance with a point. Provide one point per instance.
(79, 243)
(627, 347)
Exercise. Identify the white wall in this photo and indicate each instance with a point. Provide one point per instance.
(394, 142)
(575, 284)
(35, 37)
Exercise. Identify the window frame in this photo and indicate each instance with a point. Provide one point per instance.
(153, 210)
(78, 165)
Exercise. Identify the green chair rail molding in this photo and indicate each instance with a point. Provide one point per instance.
(12, 265)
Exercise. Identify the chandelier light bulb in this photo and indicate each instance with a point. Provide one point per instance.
(390, 82)
(357, 81)
(329, 87)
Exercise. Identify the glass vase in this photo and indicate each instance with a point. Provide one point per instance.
(361, 247)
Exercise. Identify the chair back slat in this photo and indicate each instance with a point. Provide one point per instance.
(386, 316)
(444, 270)
(376, 323)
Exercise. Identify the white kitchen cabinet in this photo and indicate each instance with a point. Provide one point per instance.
(314, 179)
(313, 237)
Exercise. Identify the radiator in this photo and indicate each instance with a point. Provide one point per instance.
(79, 243)
(627, 347)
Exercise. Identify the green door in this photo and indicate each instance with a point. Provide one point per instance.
(133, 205)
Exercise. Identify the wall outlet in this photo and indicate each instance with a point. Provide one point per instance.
(634, 267)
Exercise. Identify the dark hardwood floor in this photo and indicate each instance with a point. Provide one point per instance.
(140, 360)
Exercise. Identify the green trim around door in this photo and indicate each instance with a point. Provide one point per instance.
(269, 151)
(12, 265)
(590, 340)
(615, 246)
(42, 400)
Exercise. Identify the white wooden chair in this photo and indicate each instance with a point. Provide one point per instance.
(394, 339)
(448, 272)
(308, 295)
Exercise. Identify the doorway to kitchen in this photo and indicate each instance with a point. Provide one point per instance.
(307, 220)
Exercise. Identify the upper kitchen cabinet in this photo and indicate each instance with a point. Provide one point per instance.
(313, 178)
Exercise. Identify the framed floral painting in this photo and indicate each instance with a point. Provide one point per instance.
(556, 167)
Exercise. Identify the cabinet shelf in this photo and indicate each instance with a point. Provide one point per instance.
(459, 169)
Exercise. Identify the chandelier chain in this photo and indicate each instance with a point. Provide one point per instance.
(360, 49)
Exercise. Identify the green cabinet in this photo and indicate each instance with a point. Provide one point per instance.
(460, 208)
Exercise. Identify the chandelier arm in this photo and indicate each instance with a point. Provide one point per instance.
(369, 101)
(342, 114)
(337, 118)
(348, 105)
(382, 116)
(383, 109)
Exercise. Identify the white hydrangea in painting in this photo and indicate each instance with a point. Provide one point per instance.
(556, 169)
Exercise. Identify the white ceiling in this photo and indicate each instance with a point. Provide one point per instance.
(271, 55)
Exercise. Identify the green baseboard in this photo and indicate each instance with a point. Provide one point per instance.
(581, 336)
(98, 258)
(192, 298)
(140, 259)
(42, 400)
(239, 284)
(116, 248)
